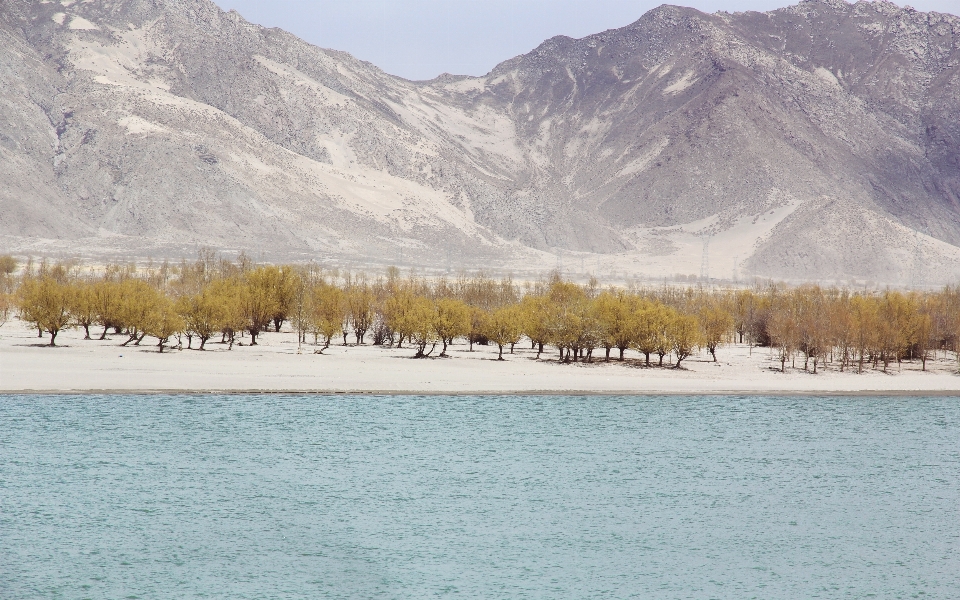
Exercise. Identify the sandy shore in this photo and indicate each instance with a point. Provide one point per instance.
(275, 365)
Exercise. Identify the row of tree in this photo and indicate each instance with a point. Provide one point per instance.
(196, 302)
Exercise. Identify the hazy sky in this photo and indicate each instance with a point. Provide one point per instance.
(419, 39)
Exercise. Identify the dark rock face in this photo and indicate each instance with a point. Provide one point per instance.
(811, 142)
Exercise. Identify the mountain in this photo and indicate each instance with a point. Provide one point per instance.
(820, 142)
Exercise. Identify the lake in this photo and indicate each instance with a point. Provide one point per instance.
(307, 496)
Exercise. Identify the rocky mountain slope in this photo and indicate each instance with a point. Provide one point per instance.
(819, 141)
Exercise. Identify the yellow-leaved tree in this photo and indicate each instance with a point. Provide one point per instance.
(401, 315)
(922, 326)
(505, 326)
(137, 300)
(163, 321)
(420, 320)
(6, 305)
(536, 320)
(841, 327)
(45, 303)
(83, 305)
(326, 312)
(663, 342)
(360, 301)
(260, 300)
(863, 311)
(648, 328)
(617, 312)
(684, 334)
(452, 321)
(893, 327)
(230, 294)
(108, 302)
(478, 326)
(286, 282)
(716, 323)
(784, 332)
(205, 314)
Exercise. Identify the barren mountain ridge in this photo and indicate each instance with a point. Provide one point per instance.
(819, 141)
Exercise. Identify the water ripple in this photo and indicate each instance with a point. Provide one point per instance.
(481, 497)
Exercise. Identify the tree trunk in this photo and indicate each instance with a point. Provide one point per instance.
(500, 357)
(87, 329)
(103, 335)
(53, 337)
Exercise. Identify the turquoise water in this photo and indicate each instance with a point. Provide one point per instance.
(479, 497)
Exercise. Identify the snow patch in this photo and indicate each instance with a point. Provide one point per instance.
(466, 85)
(58, 18)
(136, 125)
(826, 75)
(681, 84)
(82, 24)
(483, 131)
(640, 163)
(301, 79)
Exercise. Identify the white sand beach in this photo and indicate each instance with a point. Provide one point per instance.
(79, 365)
